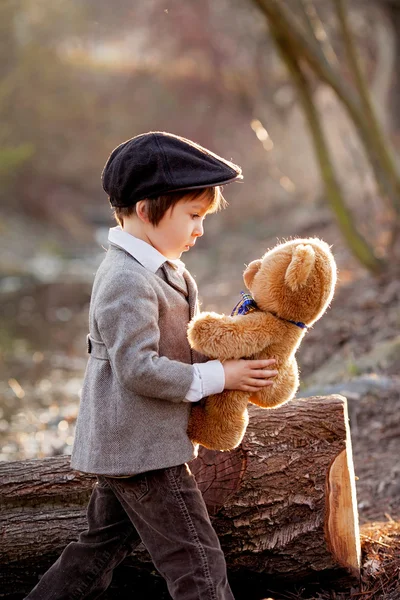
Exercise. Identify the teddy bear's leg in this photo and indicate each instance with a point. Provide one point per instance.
(220, 423)
(284, 387)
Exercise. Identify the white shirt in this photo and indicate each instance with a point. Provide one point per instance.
(208, 377)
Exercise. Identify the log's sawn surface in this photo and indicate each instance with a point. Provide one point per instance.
(283, 503)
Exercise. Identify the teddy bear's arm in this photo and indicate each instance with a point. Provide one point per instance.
(225, 337)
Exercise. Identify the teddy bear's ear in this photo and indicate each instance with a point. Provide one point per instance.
(251, 272)
(300, 266)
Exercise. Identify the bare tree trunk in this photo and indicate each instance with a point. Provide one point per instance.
(380, 142)
(283, 504)
(355, 241)
(392, 10)
(308, 48)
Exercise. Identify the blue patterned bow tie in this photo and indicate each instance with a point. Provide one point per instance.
(247, 305)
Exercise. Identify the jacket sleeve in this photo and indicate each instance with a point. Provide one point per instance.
(127, 318)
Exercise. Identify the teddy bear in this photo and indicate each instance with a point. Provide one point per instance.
(290, 287)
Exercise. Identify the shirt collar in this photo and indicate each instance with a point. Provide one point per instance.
(147, 255)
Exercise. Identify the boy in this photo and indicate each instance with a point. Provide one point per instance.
(142, 376)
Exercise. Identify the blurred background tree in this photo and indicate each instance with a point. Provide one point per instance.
(303, 43)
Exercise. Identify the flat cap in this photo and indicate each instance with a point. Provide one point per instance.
(156, 163)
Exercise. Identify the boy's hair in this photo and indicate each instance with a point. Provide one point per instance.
(157, 207)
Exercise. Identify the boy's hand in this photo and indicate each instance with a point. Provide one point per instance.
(248, 375)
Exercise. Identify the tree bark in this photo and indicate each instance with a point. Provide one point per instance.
(283, 503)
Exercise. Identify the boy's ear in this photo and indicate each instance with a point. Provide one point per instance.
(251, 271)
(141, 211)
(300, 266)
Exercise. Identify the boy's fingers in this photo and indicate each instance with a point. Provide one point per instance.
(262, 373)
(261, 364)
(256, 387)
(260, 382)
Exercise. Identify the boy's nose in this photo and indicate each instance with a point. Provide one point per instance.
(198, 230)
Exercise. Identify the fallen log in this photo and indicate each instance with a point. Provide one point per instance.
(283, 503)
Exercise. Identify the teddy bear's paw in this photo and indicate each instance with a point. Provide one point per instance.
(269, 400)
(222, 444)
(213, 433)
(283, 389)
(222, 441)
(202, 334)
(217, 439)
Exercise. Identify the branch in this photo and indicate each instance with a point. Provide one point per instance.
(308, 48)
(363, 91)
(356, 242)
(316, 29)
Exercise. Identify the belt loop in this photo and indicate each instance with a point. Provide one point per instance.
(96, 348)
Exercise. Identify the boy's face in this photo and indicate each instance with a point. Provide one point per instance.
(180, 227)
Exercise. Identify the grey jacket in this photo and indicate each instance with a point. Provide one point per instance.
(132, 416)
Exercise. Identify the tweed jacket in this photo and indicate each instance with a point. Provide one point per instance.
(132, 416)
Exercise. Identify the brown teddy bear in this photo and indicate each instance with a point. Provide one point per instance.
(291, 287)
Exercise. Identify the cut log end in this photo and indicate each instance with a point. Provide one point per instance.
(341, 524)
(218, 475)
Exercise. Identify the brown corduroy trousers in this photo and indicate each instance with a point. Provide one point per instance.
(165, 510)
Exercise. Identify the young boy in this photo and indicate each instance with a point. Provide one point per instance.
(142, 376)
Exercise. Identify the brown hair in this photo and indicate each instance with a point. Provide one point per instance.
(157, 207)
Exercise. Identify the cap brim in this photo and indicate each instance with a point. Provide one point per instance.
(198, 187)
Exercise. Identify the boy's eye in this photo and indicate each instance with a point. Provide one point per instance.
(195, 216)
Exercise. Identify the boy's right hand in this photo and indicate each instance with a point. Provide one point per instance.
(248, 375)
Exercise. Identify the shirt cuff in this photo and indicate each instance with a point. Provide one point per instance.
(208, 378)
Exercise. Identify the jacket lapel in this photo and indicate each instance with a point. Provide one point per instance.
(184, 284)
(192, 292)
(174, 279)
